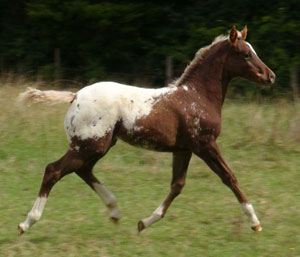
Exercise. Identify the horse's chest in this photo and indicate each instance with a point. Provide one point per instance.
(202, 125)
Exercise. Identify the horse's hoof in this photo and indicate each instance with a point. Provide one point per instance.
(114, 220)
(257, 228)
(20, 231)
(141, 226)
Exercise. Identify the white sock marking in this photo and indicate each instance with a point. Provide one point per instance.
(156, 215)
(249, 210)
(108, 198)
(35, 214)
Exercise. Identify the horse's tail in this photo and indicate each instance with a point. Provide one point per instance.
(33, 95)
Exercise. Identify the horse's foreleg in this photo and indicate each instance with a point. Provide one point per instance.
(180, 165)
(53, 173)
(214, 160)
(107, 197)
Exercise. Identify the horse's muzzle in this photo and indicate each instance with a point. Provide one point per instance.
(266, 77)
(271, 77)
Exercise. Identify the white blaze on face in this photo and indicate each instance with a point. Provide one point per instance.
(98, 107)
(252, 49)
(35, 214)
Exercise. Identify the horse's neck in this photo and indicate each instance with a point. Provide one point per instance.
(210, 81)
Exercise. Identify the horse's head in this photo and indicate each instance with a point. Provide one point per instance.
(244, 62)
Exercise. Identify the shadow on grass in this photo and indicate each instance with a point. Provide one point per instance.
(41, 239)
(36, 240)
(5, 241)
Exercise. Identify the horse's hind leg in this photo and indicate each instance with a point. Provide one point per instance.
(101, 146)
(180, 165)
(214, 160)
(107, 197)
(54, 172)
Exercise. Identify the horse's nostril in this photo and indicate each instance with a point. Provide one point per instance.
(272, 77)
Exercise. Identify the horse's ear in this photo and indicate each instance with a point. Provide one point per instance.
(233, 36)
(244, 32)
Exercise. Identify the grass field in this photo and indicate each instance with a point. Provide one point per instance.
(260, 141)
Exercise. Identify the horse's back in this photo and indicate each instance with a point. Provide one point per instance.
(98, 107)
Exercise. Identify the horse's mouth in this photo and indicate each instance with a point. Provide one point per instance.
(266, 78)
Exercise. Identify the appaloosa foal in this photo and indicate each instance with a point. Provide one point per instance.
(183, 118)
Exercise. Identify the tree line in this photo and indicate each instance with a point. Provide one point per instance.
(128, 41)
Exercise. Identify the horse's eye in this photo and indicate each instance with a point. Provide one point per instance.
(247, 56)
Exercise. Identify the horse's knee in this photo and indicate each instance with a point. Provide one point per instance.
(178, 186)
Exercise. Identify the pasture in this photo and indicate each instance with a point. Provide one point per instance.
(259, 141)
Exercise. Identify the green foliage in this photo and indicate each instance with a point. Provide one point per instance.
(99, 39)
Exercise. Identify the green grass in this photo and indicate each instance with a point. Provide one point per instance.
(260, 142)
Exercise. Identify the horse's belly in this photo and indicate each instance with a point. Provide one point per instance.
(155, 131)
(147, 142)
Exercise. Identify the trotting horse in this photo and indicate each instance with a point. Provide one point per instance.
(183, 118)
